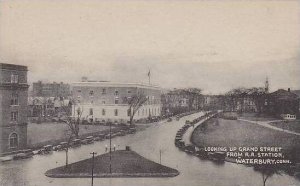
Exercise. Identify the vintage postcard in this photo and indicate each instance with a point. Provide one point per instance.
(149, 93)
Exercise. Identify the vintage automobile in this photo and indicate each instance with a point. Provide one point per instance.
(190, 149)
(46, 149)
(23, 154)
(131, 130)
(57, 148)
(217, 156)
(76, 143)
(64, 144)
(90, 139)
(169, 119)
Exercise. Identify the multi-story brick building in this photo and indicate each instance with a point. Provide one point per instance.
(107, 101)
(13, 107)
(181, 100)
(54, 89)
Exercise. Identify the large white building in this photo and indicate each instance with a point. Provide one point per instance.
(106, 101)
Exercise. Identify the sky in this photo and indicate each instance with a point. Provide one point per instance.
(212, 45)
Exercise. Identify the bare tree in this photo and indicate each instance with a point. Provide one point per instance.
(135, 102)
(72, 123)
(267, 172)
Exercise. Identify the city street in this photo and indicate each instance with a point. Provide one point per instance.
(148, 143)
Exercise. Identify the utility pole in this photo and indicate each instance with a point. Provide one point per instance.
(159, 156)
(110, 148)
(93, 153)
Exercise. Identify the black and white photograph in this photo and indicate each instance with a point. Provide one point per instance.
(149, 93)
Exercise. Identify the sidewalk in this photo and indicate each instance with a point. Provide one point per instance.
(267, 125)
(188, 134)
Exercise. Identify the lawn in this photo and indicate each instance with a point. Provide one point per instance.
(234, 133)
(288, 125)
(240, 133)
(256, 117)
(40, 133)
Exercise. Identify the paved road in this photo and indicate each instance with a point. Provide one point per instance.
(266, 124)
(160, 136)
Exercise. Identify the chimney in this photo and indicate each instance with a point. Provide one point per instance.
(289, 90)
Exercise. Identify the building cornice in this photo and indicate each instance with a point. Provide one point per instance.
(115, 84)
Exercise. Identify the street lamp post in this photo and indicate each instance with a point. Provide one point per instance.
(93, 153)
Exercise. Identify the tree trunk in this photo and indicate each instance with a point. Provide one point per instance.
(67, 157)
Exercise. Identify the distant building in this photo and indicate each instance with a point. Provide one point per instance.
(54, 89)
(13, 107)
(181, 100)
(106, 101)
(42, 108)
(282, 102)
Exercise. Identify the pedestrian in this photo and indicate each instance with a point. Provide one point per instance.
(114, 147)
(106, 148)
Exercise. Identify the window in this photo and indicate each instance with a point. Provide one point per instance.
(91, 111)
(116, 92)
(103, 112)
(13, 140)
(79, 91)
(116, 100)
(14, 116)
(103, 91)
(91, 93)
(129, 91)
(128, 112)
(14, 78)
(14, 100)
(116, 112)
(103, 102)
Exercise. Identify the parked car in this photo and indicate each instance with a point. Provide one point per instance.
(90, 139)
(187, 122)
(180, 144)
(64, 144)
(132, 130)
(23, 155)
(27, 152)
(76, 143)
(57, 148)
(217, 156)
(46, 149)
(101, 136)
(169, 119)
(190, 149)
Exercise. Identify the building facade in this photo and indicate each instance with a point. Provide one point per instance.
(107, 101)
(13, 107)
(282, 102)
(181, 100)
(54, 89)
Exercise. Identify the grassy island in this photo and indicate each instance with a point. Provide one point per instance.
(124, 163)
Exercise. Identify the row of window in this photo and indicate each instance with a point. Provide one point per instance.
(104, 92)
(14, 78)
(143, 112)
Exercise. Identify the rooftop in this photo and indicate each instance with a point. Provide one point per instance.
(113, 84)
(13, 67)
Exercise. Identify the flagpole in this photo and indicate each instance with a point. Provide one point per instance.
(149, 74)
